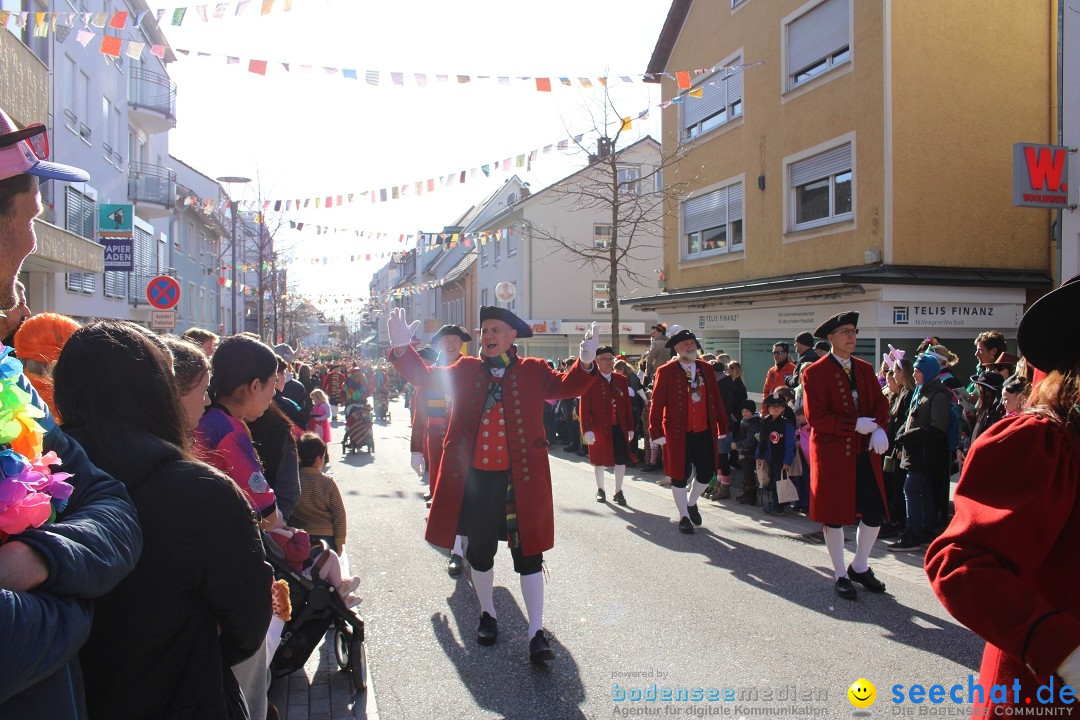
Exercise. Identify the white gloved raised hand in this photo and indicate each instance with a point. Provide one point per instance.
(417, 462)
(879, 441)
(630, 436)
(589, 437)
(587, 351)
(400, 332)
(659, 441)
(865, 425)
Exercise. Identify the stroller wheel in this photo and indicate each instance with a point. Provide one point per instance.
(358, 663)
(342, 639)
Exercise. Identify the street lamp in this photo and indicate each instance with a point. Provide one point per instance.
(231, 180)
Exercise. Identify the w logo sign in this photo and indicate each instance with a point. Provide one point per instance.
(1040, 175)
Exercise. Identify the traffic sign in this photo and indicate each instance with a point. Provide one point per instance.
(162, 319)
(163, 292)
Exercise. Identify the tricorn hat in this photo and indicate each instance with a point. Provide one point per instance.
(989, 379)
(492, 312)
(451, 330)
(829, 326)
(678, 337)
(1040, 337)
(605, 349)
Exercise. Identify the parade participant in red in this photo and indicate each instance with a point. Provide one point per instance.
(332, 385)
(437, 401)
(494, 474)
(1004, 565)
(847, 414)
(686, 417)
(607, 423)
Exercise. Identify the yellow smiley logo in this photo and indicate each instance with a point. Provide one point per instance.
(862, 693)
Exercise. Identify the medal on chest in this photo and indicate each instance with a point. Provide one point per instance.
(694, 381)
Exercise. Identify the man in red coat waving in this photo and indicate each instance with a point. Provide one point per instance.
(607, 423)
(494, 473)
(847, 412)
(686, 417)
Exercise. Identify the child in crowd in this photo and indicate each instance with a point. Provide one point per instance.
(320, 415)
(747, 437)
(320, 510)
(776, 448)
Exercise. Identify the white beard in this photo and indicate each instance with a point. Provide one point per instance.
(688, 358)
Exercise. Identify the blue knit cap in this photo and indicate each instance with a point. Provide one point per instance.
(929, 366)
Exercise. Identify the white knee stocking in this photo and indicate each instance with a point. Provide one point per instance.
(865, 536)
(484, 585)
(598, 472)
(532, 589)
(695, 493)
(620, 471)
(680, 501)
(834, 541)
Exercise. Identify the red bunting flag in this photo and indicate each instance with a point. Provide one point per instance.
(257, 66)
(543, 84)
(683, 79)
(110, 45)
(119, 20)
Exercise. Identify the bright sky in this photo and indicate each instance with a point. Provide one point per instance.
(313, 134)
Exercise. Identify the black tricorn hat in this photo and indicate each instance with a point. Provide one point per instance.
(679, 337)
(605, 349)
(491, 312)
(829, 326)
(451, 330)
(1040, 337)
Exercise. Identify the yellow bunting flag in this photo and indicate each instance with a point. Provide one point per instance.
(696, 92)
(626, 124)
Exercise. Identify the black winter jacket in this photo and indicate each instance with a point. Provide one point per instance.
(155, 649)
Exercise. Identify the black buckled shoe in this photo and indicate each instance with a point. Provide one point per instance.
(488, 631)
(540, 649)
(867, 580)
(619, 499)
(455, 566)
(845, 589)
(600, 495)
(686, 527)
(695, 515)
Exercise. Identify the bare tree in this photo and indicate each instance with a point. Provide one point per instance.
(632, 196)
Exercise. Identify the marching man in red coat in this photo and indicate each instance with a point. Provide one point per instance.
(437, 401)
(847, 414)
(686, 417)
(607, 423)
(494, 475)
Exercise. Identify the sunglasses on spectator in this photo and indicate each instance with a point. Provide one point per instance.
(35, 136)
(778, 352)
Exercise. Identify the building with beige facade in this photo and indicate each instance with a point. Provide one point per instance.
(852, 155)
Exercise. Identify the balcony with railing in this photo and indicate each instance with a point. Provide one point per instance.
(152, 188)
(152, 100)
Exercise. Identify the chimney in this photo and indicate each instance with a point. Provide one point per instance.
(603, 148)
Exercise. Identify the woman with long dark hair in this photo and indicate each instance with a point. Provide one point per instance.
(1005, 565)
(198, 600)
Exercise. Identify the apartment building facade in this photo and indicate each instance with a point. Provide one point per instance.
(852, 155)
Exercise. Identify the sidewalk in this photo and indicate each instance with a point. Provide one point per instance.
(322, 692)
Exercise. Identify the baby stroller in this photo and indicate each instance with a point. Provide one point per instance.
(357, 429)
(315, 608)
(382, 404)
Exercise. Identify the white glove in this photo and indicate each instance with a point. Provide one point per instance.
(587, 352)
(417, 462)
(879, 441)
(865, 425)
(400, 332)
(631, 391)
(1070, 668)
(630, 436)
(659, 441)
(589, 437)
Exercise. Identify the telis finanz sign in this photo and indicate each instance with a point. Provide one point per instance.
(1041, 176)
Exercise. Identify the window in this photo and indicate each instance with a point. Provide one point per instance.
(601, 295)
(71, 118)
(821, 191)
(511, 242)
(82, 103)
(79, 218)
(106, 128)
(484, 250)
(191, 301)
(736, 3)
(818, 41)
(713, 223)
(484, 297)
(627, 178)
(601, 237)
(496, 247)
(721, 101)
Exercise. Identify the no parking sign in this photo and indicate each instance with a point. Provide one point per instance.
(163, 292)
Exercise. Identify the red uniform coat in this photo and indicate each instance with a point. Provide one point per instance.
(525, 387)
(776, 376)
(669, 409)
(1006, 565)
(831, 414)
(595, 413)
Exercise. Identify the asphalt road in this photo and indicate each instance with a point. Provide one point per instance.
(743, 609)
